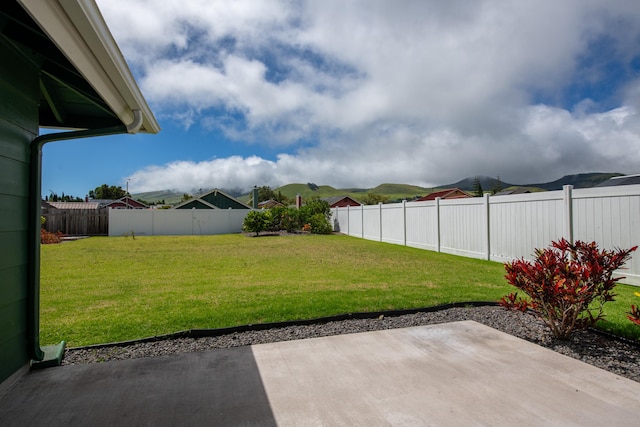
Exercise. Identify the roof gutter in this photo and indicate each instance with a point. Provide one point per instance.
(78, 29)
(52, 355)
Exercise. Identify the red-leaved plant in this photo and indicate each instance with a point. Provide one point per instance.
(47, 238)
(634, 314)
(567, 284)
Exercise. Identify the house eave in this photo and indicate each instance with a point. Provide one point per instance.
(80, 32)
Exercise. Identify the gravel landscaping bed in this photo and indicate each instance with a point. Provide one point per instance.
(619, 356)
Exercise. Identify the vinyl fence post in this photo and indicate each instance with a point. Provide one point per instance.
(487, 225)
(348, 220)
(362, 220)
(380, 219)
(568, 212)
(438, 224)
(404, 222)
(193, 220)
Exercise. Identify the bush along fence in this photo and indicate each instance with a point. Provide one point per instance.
(504, 228)
(314, 217)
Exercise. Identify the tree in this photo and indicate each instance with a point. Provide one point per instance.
(107, 192)
(256, 221)
(266, 193)
(497, 187)
(317, 213)
(284, 218)
(373, 199)
(319, 224)
(315, 206)
(477, 188)
(53, 197)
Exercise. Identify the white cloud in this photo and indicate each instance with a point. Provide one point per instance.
(148, 28)
(423, 92)
(405, 154)
(187, 176)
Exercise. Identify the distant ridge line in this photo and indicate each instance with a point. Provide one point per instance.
(397, 191)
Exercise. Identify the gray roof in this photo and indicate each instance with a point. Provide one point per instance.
(335, 199)
(518, 190)
(75, 205)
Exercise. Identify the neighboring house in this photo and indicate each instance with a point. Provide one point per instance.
(341, 201)
(123, 203)
(517, 190)
(214, 199)
(61, 68)
(621, 180)
(89, 218)
(76, 218)
(71, 205)
(268, 204)
(44, 205)
(451, 193)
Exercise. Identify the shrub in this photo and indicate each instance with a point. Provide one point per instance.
(283, 218)
(567, 283)
(256, 221)
(319, 224)
(317, 213)
(46, 237)
(313, 207)
(276, 215)
(313, 217)
(291, 220)
(634, 314)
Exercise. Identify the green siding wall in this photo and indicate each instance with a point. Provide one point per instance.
(194, 204)
(216, 199)
(222, 201)
(18, 126)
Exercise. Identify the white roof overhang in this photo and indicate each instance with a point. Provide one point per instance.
(79, 31)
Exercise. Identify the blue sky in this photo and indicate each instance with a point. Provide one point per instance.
(359, 93)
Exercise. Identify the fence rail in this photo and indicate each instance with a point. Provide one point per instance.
(503, 228)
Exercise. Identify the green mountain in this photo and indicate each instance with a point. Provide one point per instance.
(399, 189)
(582, 180)
(396, 192)
(392, 191)
(487, 183)
(308, 190)
(170, 197)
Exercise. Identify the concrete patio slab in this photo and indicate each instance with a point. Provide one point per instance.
(453, 374)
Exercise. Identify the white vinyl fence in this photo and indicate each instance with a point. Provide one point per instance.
(175, 221)
(502, 228)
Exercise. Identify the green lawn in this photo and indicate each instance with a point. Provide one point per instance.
(113, 289)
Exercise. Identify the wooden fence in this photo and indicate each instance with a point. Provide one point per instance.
(77, 222)
(502, 228)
